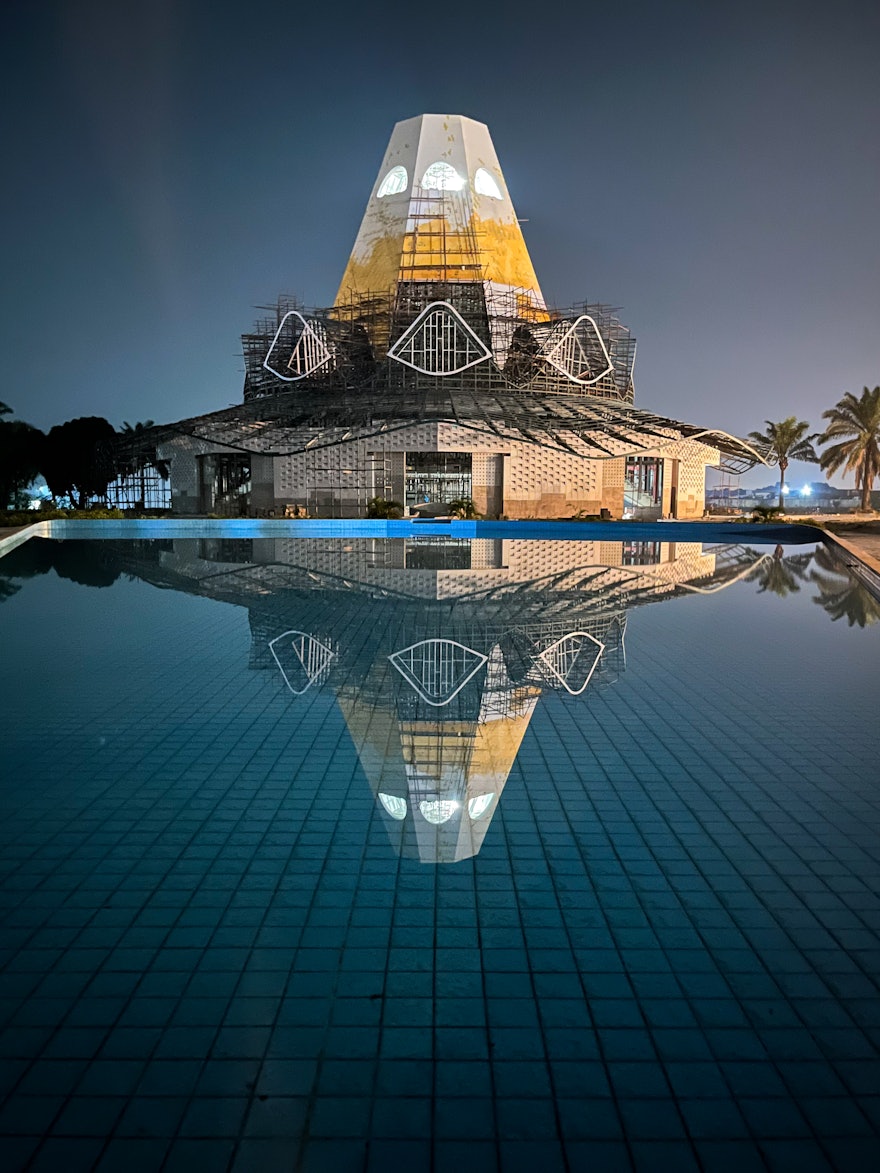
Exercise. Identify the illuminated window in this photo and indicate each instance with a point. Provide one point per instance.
(394, 182)
(580, 352)
(478, 806)
(484, 184)
(438, 810)
(439, 342)
(395, 806)
(442, 177)
(298, 349)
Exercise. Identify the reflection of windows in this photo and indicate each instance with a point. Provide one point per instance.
(640, 554)
(438, 554)
(395, 806)
(439, 810)
(442, 177)
(304, 661)
(478, 806)
(239, 550)
(437, 669)
(394, 182)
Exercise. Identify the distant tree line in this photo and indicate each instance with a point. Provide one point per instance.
(78, 459)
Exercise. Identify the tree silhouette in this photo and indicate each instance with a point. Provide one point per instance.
(20, 456)
(79, 459)
(855, 423)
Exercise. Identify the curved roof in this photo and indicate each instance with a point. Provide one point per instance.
(297, 421)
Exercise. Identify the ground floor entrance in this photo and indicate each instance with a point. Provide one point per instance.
(643, 488)
(437, 478)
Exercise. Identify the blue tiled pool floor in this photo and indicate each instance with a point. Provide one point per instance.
(664, 955)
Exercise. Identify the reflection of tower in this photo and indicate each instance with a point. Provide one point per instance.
(437, 724)
(437, 720)
(438, 775)
(438, 672)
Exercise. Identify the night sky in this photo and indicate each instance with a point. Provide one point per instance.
(714, 169)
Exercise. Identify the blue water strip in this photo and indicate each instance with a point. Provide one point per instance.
(609, 531)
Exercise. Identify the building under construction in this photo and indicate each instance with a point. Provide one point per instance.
(440, 375)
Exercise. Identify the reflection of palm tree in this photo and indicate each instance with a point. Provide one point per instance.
(842, 595)
(779, 575)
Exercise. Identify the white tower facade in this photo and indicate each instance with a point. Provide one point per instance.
(440, 211)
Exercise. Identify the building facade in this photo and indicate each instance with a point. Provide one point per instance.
(440, 376)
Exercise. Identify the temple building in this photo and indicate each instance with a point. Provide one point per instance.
(440, 375)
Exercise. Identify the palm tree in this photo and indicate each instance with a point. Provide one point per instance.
(788, 441)
(857, 423)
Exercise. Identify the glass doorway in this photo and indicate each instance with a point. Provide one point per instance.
(643, 488)
(436, 478)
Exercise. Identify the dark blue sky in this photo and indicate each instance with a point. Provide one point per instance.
(714, 169)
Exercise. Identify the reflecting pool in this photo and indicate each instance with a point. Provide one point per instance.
(438, 853)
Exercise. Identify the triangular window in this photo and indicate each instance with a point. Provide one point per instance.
(303, 660)
(437, 669)
(298, 349)
(572, 660)
(439, 342)
(580, 353)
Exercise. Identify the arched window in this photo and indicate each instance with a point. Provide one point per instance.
(485, 184)
(394, 182)
(442, 177)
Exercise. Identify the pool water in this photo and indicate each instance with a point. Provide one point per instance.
(438, 854)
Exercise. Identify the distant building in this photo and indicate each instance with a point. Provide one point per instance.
(439, 374)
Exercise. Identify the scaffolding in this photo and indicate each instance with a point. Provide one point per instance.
(522, 342)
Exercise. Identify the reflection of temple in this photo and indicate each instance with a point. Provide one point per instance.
(437, 650)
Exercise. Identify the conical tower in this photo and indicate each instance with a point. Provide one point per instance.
(440, 211)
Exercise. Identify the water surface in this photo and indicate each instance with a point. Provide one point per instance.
(442, 853)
